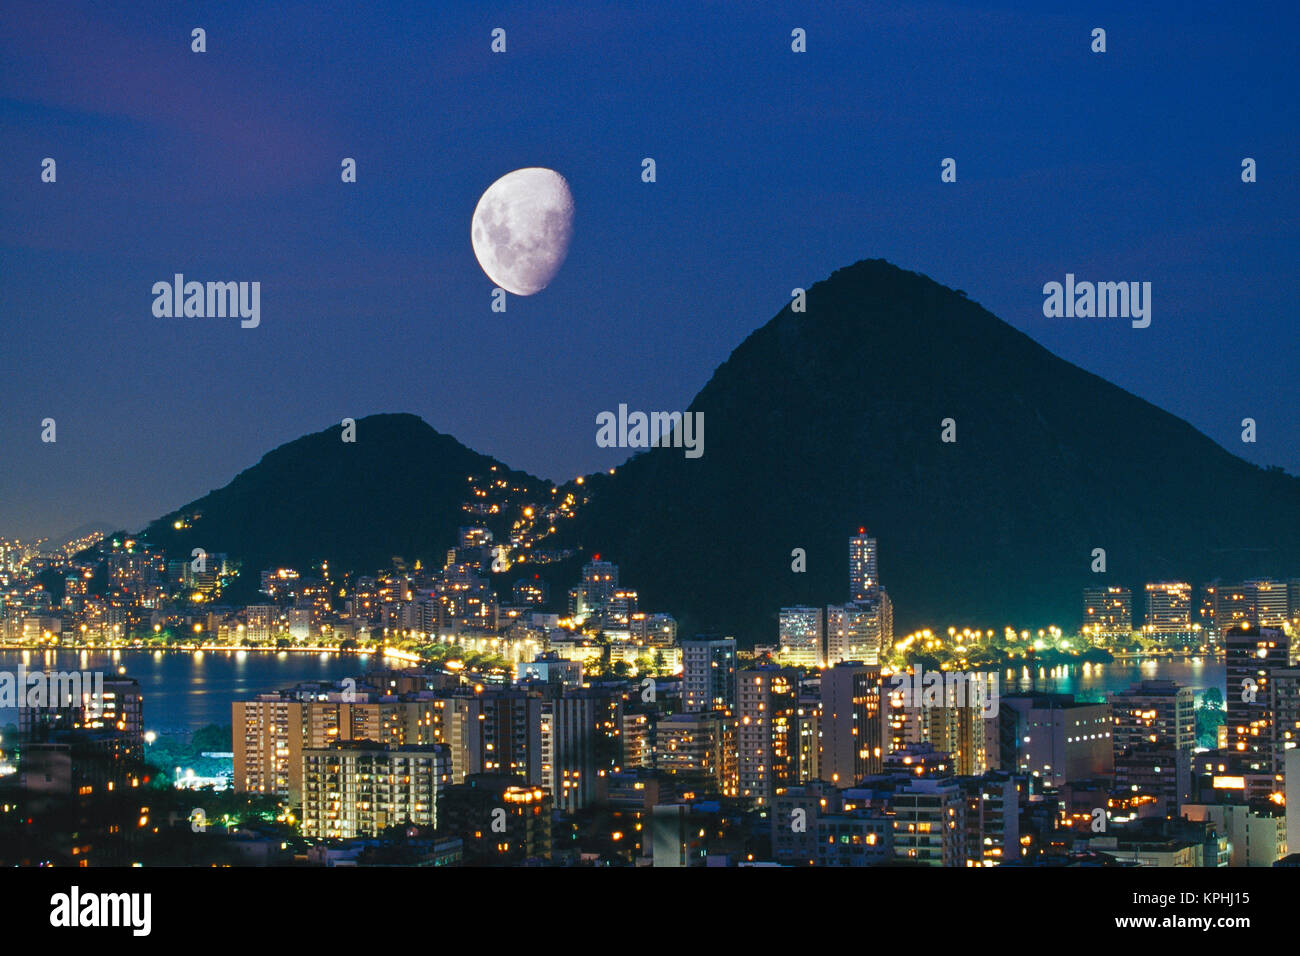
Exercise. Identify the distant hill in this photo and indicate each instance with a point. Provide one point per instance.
(819, 423)
(85, 531)
(396, 491)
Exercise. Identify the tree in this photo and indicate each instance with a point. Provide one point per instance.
(212, 738)
(1209, 716)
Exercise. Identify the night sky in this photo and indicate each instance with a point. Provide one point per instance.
(774, 169)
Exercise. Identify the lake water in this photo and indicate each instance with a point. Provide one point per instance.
(1093, 680)
(184, 690)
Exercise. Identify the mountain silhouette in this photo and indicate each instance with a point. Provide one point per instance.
(819, 423)
(397, 491)
(829, 420)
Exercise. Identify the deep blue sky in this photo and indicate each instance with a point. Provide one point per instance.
(774, 169)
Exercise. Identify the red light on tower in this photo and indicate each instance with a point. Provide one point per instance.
(862, 531)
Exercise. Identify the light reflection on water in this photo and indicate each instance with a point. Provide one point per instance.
(1093, 680)
(184, 690)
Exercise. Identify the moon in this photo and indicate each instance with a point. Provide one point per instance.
(521, 229)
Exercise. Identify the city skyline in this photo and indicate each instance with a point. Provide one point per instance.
(492, 721)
